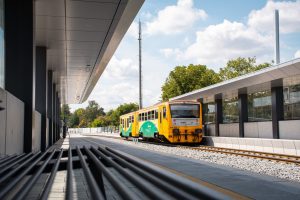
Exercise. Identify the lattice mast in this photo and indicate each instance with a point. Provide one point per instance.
(140, 67)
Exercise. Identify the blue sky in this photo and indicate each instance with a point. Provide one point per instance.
(182, 32)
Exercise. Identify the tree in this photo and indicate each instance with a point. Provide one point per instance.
(65, 113)
(185, 79)
(240, 66)
(76, 118)
(121, 110)
(92, 111)
(100, 121)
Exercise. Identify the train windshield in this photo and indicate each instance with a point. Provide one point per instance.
(184, 111)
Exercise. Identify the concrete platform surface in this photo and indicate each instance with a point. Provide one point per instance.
(251, 185)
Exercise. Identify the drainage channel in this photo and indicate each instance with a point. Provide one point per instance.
(128, 176)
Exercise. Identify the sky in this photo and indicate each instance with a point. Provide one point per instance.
(183, 32)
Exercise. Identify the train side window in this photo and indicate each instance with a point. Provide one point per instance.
(127, 122)
(156, 114)
(164, 112)
(149, 115)
(132, 119)
(143, 116)
(139, 119)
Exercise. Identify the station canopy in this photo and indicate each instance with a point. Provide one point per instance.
(248, 81)
(81, 36)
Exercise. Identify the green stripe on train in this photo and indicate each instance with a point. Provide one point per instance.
(126, 133)
(148, 129)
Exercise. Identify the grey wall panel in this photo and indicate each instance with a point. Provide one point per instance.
(265, 130)
(2, 121)
(258, 130)
(289, 129)
(229, 130)
(14, 125)
(210, 130)
(251, 130)
(36, 138)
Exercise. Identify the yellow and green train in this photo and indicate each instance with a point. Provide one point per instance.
(174, 122)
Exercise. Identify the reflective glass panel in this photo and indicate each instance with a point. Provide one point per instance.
(260, 106)
(291, 96)
(230, 110)
(209, 112)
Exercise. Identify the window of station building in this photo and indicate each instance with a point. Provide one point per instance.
(291, 102)
(260, 106)
(1, 44)
(209, 112)
(230, 110)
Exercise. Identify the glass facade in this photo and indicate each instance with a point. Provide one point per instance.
(1, 44)
(260, 106)
(291, 102)
(230, 110)
(209, 112)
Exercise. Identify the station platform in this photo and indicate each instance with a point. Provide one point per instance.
(238, 184)
(280, 146)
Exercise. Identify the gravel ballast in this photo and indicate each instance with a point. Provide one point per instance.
(272, 168)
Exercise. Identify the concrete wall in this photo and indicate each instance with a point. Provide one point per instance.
(36, 138)
(289, 129)
(258, 129)
(291, 147)
(210, 130)
(14, 141)
(229, 130)
(2, 121)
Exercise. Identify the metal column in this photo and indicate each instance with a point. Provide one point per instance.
(54, 113)
(277, 106)
(50, 106)
(20, 59)
(41, 91)
(218, 113)
(243, 110)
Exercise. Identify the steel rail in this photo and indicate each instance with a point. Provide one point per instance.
(165, 186)
(47, 188)
(29, 184)
(253, 154)
(144, 186)
(115, 182)
(69, 195)
(16, 179)
(94, 189)
(13, 162)
(184, 184)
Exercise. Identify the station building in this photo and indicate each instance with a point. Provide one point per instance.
(263, 104)
(52, 52)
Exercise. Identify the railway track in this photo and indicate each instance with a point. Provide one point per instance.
(238, 152)
(248, 153)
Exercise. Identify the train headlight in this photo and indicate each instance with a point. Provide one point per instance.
(176, 131)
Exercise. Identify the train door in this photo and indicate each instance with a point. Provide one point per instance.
(164, 120)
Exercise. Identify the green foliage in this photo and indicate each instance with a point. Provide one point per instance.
(94, 116)
(121, 110)
(240, 66)
(186, 79)
(65, 112)
(100, 121)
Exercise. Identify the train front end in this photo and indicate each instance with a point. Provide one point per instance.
(185, 123)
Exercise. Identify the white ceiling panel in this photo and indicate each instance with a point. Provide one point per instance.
(91, 9)
(83, 24)
(84, 36)
(81, 36)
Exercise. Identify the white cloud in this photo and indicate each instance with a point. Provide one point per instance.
(120, 69)
(216, 44)
(175, 19)
(133, 30)
(289, 17)
(297, 54)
